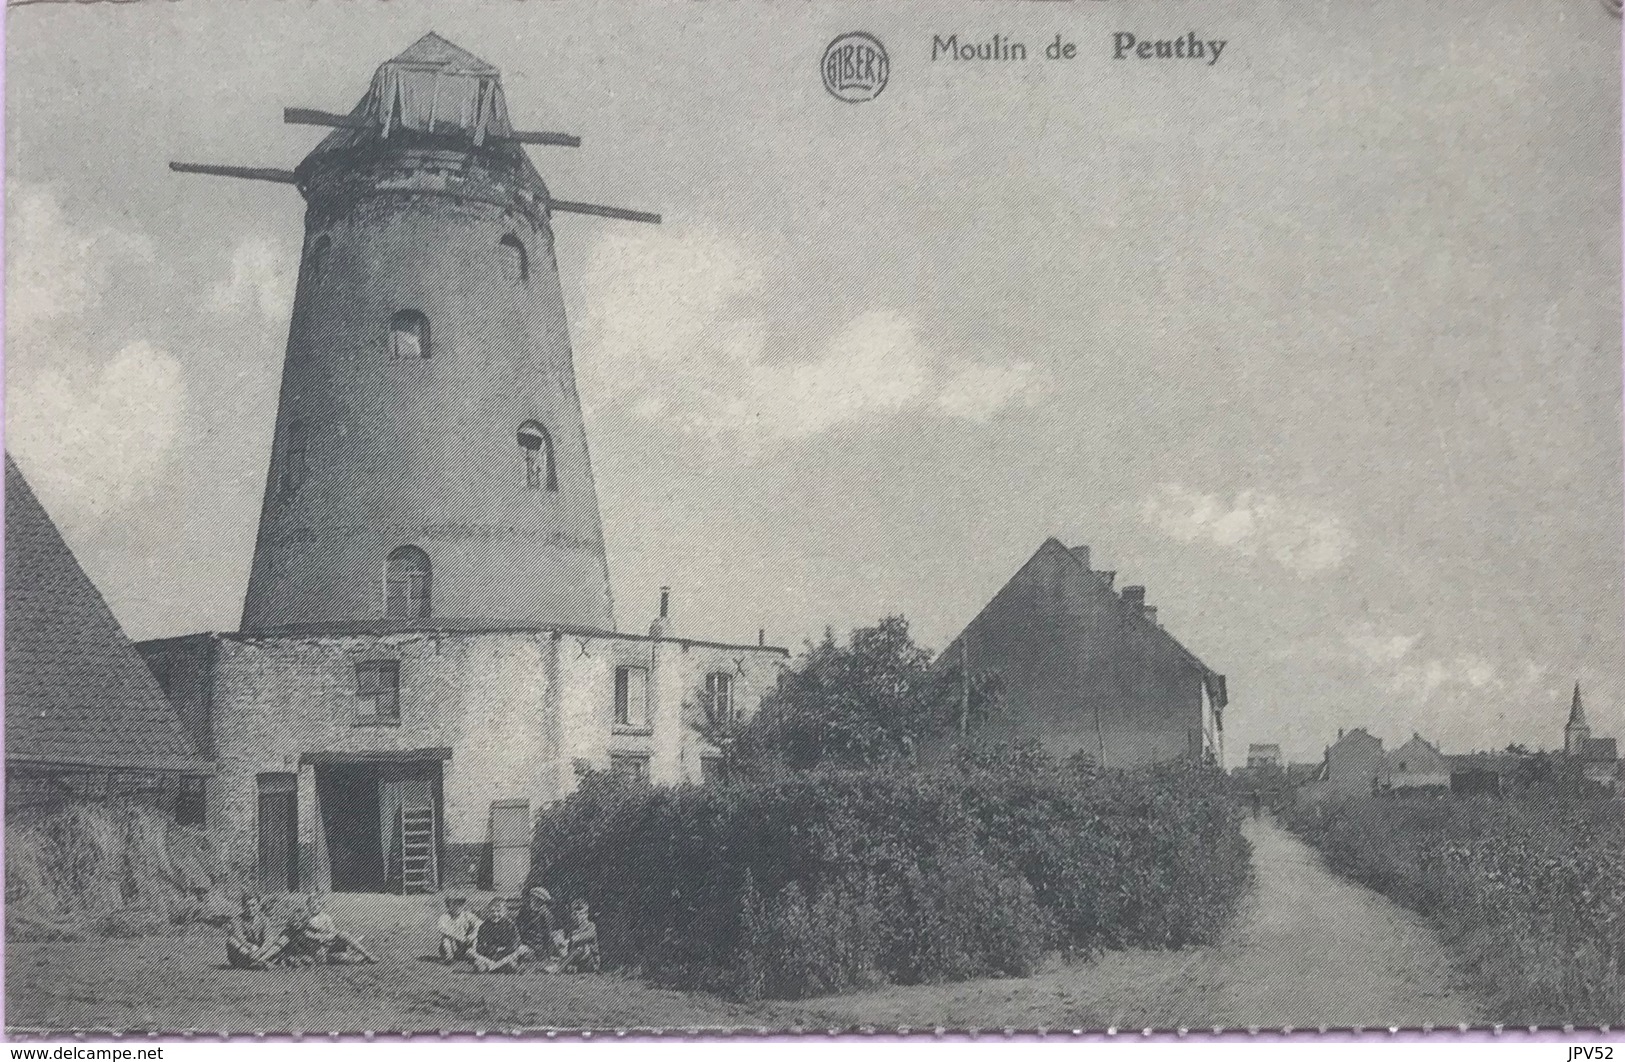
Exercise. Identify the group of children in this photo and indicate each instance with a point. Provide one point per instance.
(498, 943)
(307, 937)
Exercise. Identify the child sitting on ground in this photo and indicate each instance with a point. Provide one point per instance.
(458, 929)
(582, 956)
(496, 946)
(331, 944)
(249, 944)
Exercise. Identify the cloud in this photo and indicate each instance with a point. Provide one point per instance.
(1299, 538)
(260, 279)
(93, 442)
(56, 270)
(1373, 647)
(1421, 681)
(93, 432)
(677, 328)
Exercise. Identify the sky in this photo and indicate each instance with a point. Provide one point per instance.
(1319, 342)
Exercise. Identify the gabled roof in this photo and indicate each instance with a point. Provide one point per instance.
(1076, 562)
(77, 692)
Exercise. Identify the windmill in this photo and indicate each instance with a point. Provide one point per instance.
(430, 461)
(465, 106)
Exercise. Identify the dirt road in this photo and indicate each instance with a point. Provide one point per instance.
(1307, 949)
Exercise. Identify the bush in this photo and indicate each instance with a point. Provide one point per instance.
(119, 871)
(1530, 892)
(822, 881)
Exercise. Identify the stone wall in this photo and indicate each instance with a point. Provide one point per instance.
(520, 711)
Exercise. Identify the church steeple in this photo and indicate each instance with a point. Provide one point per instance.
(1576, 733)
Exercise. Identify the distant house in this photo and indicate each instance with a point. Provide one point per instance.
(1417, 764)
(1089, 670)
(1492, 773)
(1263, 756)
(84, 716)
(1353, 764)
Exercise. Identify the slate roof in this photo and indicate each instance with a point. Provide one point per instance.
(77, 692)
(1076, 561)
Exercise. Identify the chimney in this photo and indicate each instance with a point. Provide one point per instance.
(1134, 597)
(1340, 733)
(1151, 613)
(661, 627)
(1082, 554)
(761, 635)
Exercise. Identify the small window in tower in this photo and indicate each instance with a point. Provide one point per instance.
(295, 456)
(406, 585)
(719, 697)
(318, 255)
(537, 447)
(515, 263)
(409, 336)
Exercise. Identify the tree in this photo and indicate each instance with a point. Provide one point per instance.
(871, 701)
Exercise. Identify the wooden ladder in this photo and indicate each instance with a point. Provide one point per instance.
(419, 869)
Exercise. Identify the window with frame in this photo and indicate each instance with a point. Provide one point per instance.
(632, 698)
(407, 585)
(408, 336)
(537, 447)
(295, 455)
(719, 697)
(628, 767)
(378, 688)
(515, 262)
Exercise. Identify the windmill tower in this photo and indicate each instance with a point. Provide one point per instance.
(430, 463)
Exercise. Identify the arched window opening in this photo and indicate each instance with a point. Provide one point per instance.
(537, 446)
(295, 455)
(515, 262)
(406, 584)
(318, 255)
(408, 336)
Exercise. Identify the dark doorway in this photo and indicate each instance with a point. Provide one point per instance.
(348, 796)
(279, 832)
(381, 824)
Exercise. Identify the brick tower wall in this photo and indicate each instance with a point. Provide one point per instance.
(423, 451)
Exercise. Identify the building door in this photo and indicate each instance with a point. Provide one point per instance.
(279, 832)
(510, 844)
(348, 796)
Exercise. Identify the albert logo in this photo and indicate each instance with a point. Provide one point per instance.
(855, 67)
